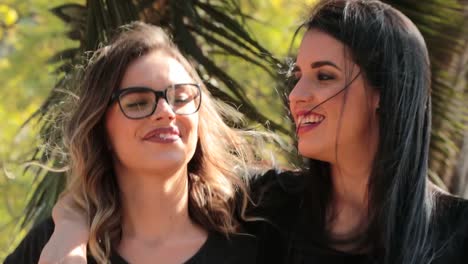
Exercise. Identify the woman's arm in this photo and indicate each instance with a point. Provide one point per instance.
(67, 245)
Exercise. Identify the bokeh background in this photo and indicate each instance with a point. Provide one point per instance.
(242, 49)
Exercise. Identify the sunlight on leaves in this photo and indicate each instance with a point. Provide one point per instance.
(8, 15)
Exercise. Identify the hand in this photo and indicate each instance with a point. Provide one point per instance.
(67, 245)
(66, 210)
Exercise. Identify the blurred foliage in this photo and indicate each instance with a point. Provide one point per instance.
(9, 15)
(29, 36)
(444, 25)
(275, 35)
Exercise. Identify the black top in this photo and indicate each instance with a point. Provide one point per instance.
(217, 248)
(288, 235)
(281, 201)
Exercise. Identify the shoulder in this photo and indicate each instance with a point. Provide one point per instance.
(275, 193)
(450, 212)
(276, 201)
(287, 179)
(30, 248)
(450, 224)
(276, 182)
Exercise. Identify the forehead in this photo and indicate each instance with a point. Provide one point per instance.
(319, 46)
(157, 70)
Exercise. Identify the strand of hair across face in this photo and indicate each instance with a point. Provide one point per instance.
(326, 100)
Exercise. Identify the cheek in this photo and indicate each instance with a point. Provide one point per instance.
(189, 126)
(118, 130)
(194, 129)
(358, 115)
(192, 139)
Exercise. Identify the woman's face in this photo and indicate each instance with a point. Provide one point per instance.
(345, 122)
(162, 142)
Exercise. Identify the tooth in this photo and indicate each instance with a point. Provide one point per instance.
(312, 119)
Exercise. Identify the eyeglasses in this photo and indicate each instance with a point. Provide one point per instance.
(140, 102)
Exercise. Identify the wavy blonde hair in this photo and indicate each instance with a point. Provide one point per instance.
(223, 156)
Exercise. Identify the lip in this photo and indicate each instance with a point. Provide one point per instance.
(303, 128)
(306, 128)
(153, 135)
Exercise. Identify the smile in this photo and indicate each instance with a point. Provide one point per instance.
(163, 135)
(306, 121)
(311, 119)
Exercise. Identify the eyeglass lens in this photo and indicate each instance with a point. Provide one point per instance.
(184, 99)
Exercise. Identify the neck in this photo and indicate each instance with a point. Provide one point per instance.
(154, 205)
(350, 185)
(350, 176)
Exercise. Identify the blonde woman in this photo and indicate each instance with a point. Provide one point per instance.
(154, 190)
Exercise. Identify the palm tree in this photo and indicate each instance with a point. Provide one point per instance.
(456, 174)
(201, 26)
(444, 25)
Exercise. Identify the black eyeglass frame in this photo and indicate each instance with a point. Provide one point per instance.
(159, 94)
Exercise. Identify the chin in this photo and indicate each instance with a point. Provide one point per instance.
(165, 158)
(164, 166)
(310, 152)
(170, 160)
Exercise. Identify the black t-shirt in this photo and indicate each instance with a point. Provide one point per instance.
(281, 201)
(286, 237)
(239, 248)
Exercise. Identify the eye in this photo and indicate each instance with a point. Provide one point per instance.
(182, 99)
(325, 77)
(137, 104)
(137, 100)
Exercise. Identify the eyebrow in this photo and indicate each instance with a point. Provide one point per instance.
(319, 64)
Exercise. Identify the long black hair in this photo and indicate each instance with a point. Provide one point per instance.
(393, 58)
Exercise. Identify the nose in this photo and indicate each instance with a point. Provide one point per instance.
(163, 111)
(302, 92)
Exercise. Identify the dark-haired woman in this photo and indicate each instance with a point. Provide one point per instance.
(362, 109)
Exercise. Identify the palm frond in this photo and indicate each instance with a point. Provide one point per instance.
(444, 27)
